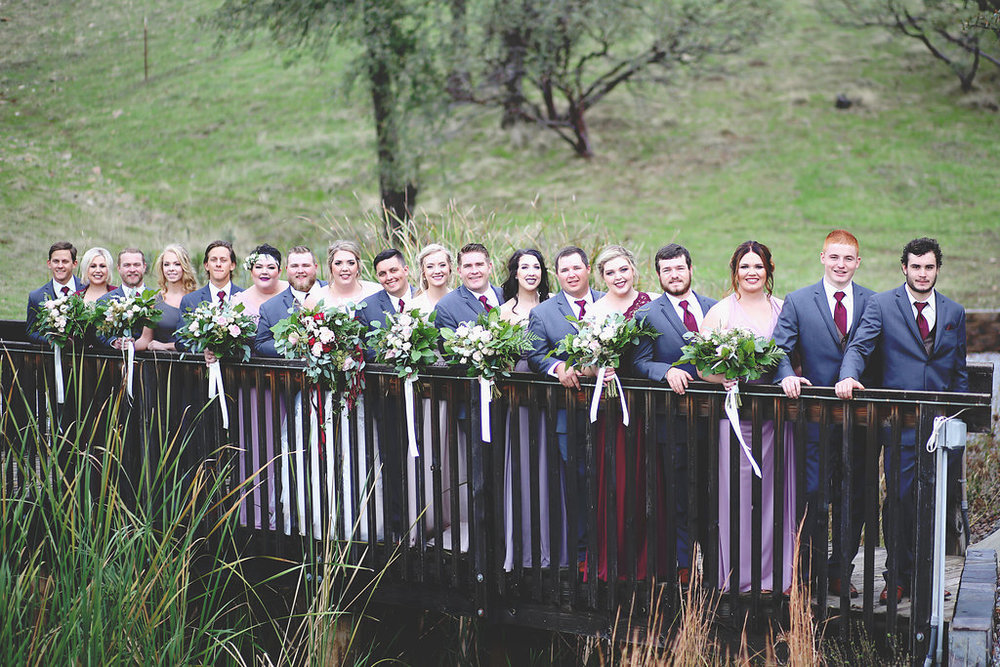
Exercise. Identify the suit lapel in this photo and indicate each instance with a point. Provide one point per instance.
(860, 301)
(823, 307)
(940, 321)
(667, 308)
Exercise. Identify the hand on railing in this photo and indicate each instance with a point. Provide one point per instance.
(792, 385)
(678, 379)
(845, 388)
(122, 342)
(568, 376)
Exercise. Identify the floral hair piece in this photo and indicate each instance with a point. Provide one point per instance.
(255, 257)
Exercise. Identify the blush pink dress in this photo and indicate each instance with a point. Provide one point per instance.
(769, 504)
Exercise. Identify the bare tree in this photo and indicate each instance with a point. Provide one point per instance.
(551, 61)
(949, 29)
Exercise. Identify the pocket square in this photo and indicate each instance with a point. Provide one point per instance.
(949, 327)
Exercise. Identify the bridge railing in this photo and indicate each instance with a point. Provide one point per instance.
(556, 522)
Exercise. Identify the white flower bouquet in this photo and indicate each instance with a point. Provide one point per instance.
(489, 347)
(408, 343)
(226, 331)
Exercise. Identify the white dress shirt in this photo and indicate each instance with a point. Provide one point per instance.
(227, 288)
(490, 294)
(71, 284)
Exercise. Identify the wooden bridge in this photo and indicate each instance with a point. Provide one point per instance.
(507, 530)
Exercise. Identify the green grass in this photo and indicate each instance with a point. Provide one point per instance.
(230, 142)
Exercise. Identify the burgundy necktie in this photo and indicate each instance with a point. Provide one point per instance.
(840, 313)
(925, 330)
(583, 308)
(222, 296)
(65, 290)
(486, 304)
(689, 322)
(402, 305)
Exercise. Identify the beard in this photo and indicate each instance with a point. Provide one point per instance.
(676, 289)
(918, 290)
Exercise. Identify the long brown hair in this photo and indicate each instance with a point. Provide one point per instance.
(764, 253)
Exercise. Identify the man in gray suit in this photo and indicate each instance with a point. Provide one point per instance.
(61, 262)
(677, 311)
(301, 271)
(815, 326)
(132, 270)
(921, 336)
(475, 295)
(548, 322)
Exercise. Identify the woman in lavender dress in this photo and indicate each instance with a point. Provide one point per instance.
(526, 286)
(264, 265)
(752, 306)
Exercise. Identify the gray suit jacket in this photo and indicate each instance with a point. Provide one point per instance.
(548, 322)
(653, 357)
(889, 325)
(806, 327)
(458, 306)
(190, 302)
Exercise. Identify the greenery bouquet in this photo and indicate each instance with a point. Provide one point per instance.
(226, 331)
(408, 343)
(736, 354)
(600, 342)
(62, 320)
(489, 347)
(119, 318)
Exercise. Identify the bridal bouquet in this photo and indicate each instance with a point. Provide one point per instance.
(62, 320)
(329, 340)
(737, 354)
(408, 343)
(600, 342)
(225, 331)
(489, 347)
(118, 318)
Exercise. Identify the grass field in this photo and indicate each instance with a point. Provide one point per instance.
(232, 143)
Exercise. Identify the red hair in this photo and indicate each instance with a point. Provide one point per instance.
(843, 237)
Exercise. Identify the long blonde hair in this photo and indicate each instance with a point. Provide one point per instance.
(188, 280)
(424, 253)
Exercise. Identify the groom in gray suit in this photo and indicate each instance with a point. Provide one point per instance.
(815, 326)
(921, 336)
(677, 311)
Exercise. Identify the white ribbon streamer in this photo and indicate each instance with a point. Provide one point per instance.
(595, 402)
(60, 392)
(129, 361)
(485, 398)
(215, 388)
(411, 427)
(732, 412)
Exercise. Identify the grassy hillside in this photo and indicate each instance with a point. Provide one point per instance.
(230, 142)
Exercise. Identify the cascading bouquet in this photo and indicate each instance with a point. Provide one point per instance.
(600, 342)
(489, 347)
(329, 340)
(62, 320)
(119, 318)
(408, 343)
(226, 331)
(737, 354)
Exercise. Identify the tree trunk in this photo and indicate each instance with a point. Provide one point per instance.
(399, 193)
(513, 76)
(582, 144)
